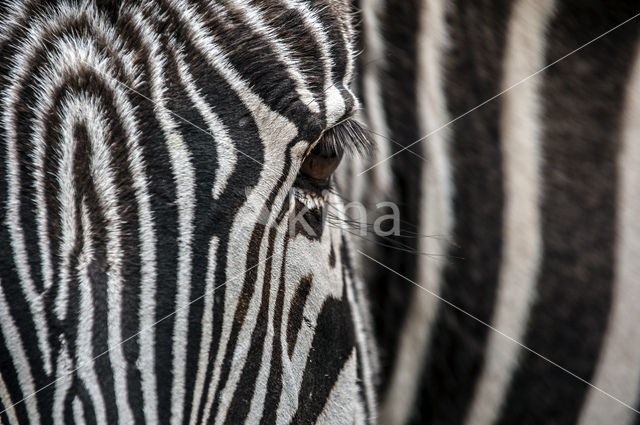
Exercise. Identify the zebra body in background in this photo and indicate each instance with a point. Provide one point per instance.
(526, 206)
(149, 270)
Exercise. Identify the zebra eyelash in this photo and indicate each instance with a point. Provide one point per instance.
(349, 137)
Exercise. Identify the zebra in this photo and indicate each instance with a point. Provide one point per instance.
(148, 151)
(507, 133)
(150, 269)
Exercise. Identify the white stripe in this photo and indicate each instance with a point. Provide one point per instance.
(19, 358)
(618, 370)
(184, 177)
(336, 112)
(7, 404)
(78, 411)
(436, 218)
(65, 177)
(64, 379)
(207, 331)
(521, 130)
(335, 105)
(344, 14)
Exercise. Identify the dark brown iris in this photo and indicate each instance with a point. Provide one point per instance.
(321, 162)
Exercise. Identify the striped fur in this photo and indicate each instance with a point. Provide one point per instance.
(142, 280)
(528, 205)
(150, 272)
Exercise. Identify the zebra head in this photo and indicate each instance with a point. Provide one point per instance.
(166, 175)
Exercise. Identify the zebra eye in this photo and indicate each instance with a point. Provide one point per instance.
(322, 161)
(325, 156)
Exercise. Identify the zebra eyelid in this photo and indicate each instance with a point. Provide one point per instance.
(349, 136)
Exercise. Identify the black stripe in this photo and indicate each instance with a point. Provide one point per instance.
(296, 312)
(23, 120)
(584, 95)
(4, 417)
(330, 350)
(67, 410)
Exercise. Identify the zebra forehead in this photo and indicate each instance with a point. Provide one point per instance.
(293, 58)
